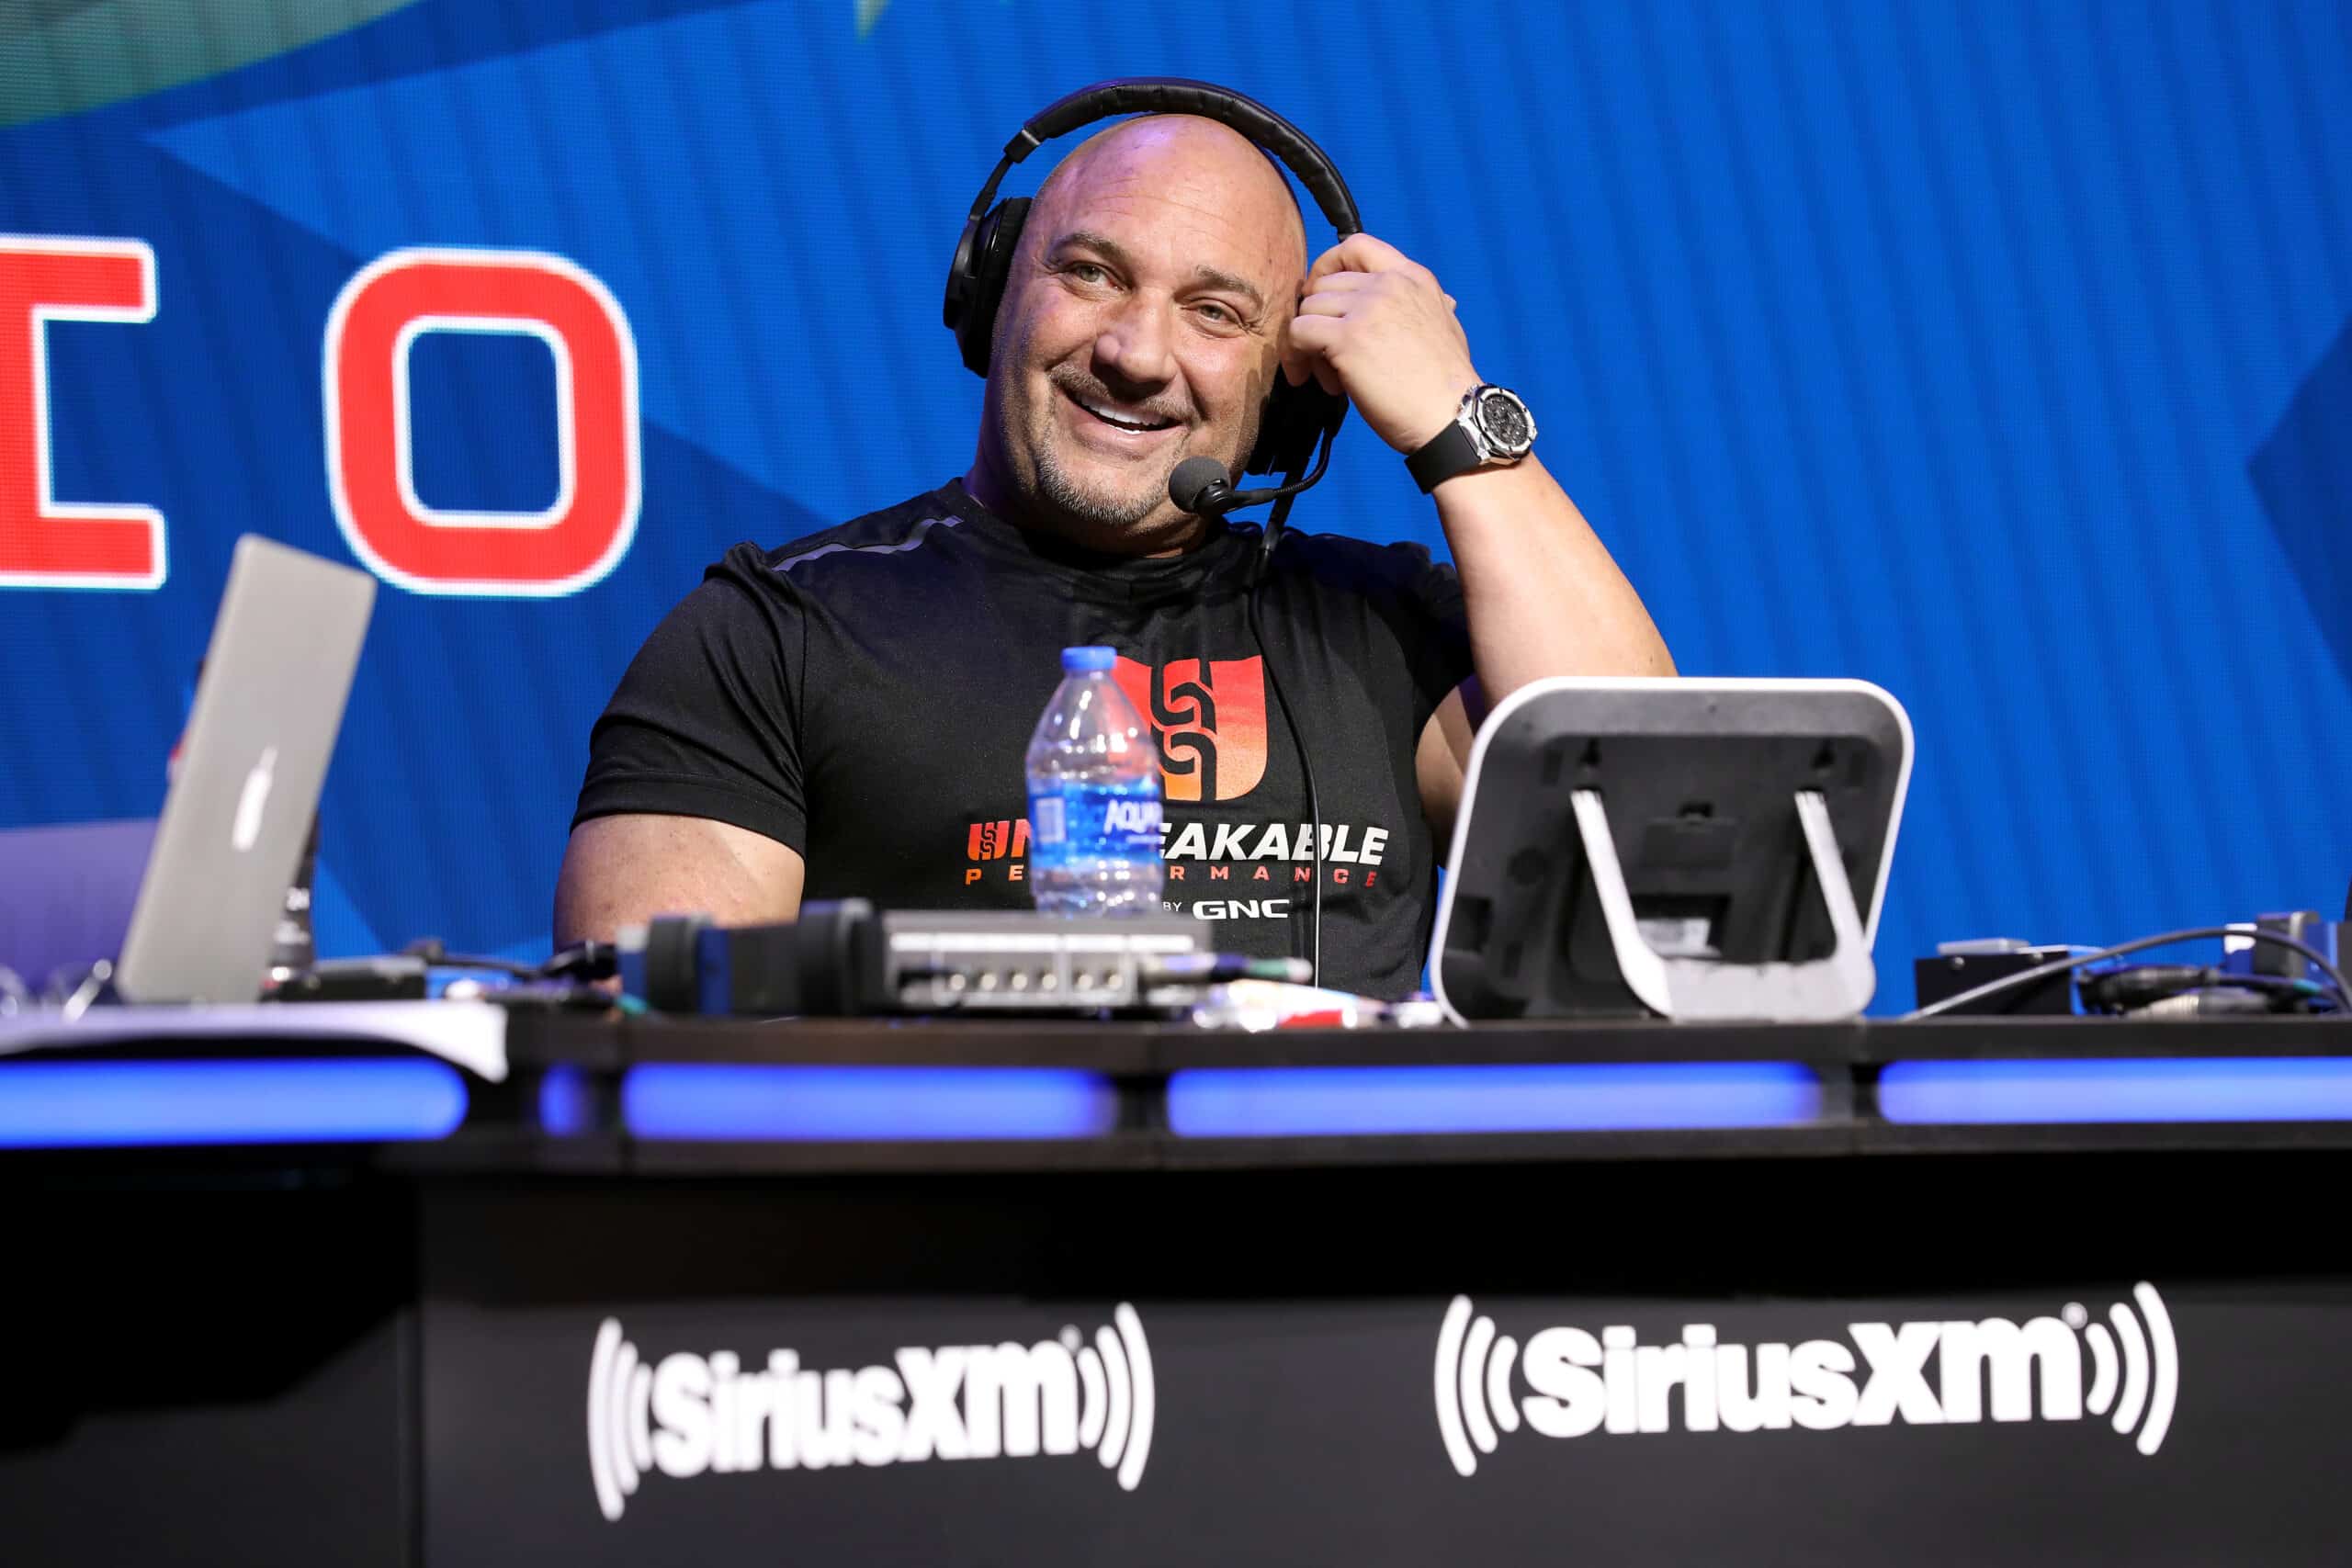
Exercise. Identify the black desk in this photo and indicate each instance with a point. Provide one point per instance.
(1146, 1347)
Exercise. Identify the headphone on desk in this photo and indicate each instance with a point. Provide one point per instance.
(1295, 418)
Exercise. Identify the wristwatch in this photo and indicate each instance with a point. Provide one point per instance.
(1492, 430)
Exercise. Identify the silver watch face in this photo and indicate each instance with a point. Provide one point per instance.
(1505, 422)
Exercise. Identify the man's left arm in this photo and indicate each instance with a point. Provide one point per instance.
(1542, 594)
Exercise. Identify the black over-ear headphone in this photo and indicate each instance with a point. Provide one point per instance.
(1295, 418)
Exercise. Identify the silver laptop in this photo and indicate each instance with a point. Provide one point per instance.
(268, 706)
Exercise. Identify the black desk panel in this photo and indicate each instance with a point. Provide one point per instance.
(1845, 1343)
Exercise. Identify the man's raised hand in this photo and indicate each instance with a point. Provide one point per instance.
(1374, 324)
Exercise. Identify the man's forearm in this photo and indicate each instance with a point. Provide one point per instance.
(1543, 597)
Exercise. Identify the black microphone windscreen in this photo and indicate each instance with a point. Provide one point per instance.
(1192, 479)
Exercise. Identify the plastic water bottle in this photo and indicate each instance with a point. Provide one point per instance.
(1093, 797)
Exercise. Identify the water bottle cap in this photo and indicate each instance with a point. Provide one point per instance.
(1086, 661)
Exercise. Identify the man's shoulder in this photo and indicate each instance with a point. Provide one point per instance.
(903, 529)
(770, 574)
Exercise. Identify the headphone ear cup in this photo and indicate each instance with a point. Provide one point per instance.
(1290, 424)
(976, 287)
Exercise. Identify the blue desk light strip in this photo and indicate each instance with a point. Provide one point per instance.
(2184, 1088)
(57, 1105)
(567, 1103)
(1276, 1102)
(693, 1101)
(54, 1104)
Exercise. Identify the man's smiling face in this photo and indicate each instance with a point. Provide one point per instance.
(1140, 327)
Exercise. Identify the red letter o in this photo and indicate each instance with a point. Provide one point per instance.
(544, 553)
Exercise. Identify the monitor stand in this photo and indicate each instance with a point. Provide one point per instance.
(1717, 989)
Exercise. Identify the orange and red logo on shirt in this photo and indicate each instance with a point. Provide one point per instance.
(996, 840)
(1209, 716)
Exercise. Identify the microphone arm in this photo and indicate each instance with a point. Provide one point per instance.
(1218, 497)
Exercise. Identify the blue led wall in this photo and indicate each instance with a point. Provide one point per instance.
(1994, 352)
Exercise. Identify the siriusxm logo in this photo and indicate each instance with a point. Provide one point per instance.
(1877, 1374)
(694, 1415)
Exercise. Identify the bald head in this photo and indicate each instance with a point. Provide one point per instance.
(1203, 165)
(1142, 324)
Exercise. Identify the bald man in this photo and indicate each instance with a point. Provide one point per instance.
(846, 715)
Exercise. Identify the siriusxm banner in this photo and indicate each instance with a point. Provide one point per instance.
(1994, 352)
(2127, 1421)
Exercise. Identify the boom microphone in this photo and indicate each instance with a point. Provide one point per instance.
(1200, 486)
(1205, 491)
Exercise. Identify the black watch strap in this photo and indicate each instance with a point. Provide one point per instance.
(1451, 451)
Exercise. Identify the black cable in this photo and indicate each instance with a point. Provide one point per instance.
(2141, 986)
(580, 961)
(588, 961)
(430, 950)
(1274, 521)
(2063, 965)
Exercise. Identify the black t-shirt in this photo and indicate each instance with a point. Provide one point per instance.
(865, 696)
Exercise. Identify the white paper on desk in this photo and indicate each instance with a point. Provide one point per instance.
(467, 1035)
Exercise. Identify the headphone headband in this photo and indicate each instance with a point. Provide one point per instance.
(1180, 95)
